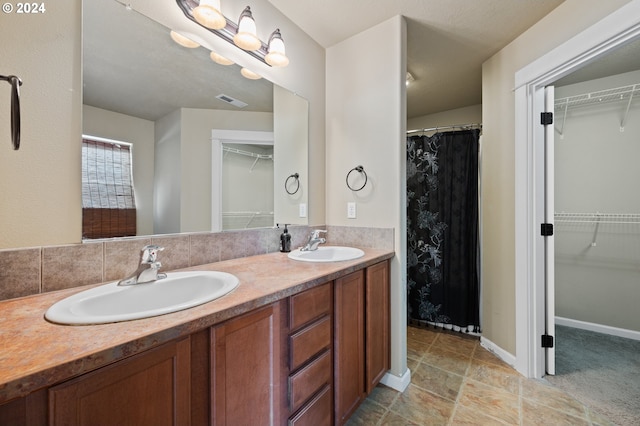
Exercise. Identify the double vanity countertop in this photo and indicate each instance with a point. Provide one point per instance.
(36, 354)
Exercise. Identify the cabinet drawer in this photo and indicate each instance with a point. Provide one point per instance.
(317, 412)
(306, 382)
(309, 341)
(309, 305)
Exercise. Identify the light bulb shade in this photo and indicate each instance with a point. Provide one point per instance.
(208, 14)
(276, 56)
(183, 41)
(249, 74)
(219, 59)
(246, 37)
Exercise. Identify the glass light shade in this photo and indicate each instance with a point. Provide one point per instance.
(219, 59)
(208, 14)
(276, 55)
(250, 74)
(183, 41)
(246, 37)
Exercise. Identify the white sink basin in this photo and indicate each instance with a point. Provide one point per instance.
(327, 254)
(114, 303)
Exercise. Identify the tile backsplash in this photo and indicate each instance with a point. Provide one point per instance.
(29, 271)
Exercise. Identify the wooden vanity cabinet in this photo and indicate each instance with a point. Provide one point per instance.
(310, 360)
(377, 324)
(246, 378)
(151, 388)
(361, 343)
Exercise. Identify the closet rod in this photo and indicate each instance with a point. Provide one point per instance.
(454, 126)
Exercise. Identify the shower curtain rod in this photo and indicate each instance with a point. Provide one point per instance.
(455, 126)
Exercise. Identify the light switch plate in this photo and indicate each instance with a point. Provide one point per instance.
(351, 210)
(302, 210)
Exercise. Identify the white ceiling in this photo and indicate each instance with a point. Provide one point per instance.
(447, 42)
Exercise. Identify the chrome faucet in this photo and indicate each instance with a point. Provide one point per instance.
(148, 269)
(314, 240)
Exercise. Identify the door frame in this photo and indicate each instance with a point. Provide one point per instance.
(219, 137)
(609, 33)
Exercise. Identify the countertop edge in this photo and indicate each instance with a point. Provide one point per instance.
(182, 323)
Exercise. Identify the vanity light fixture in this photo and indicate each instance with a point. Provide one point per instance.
(246, 37)
(208, 14)
(247, 73)
(276, 56)
(242, 35)
(183, 41)
(219, 59)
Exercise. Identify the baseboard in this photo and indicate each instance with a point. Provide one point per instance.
(598, 328)
(399, 383)
(498, 351)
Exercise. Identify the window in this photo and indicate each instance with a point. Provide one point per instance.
(108, 200)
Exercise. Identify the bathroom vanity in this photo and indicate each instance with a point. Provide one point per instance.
(295, 343)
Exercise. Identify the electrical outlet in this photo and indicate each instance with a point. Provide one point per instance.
(302, 210)
(351, 210)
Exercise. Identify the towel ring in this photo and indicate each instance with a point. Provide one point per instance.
(295, 176)
(359, 169)
(15, 83)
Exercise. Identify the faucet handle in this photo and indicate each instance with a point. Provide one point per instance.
(316, 233)
(150, 253)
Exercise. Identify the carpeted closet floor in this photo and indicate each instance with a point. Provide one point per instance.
(601, 371)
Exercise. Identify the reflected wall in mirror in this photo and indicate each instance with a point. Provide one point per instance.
(141, 87)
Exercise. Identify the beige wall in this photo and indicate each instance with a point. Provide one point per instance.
(40, 183)
(140, 133)
(467, 115)
(290, 128)
(366, 125)
(498, 174)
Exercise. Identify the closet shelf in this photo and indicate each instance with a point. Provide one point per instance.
(625, 94)
(597, 217)
(610, 95)
(248, 154)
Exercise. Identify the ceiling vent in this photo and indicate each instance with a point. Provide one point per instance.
(232, 101)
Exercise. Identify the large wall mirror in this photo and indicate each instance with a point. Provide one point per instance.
(142, 88)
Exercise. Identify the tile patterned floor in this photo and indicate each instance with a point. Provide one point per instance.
(455, 381)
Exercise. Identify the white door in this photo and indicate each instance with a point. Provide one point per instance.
(549, 255)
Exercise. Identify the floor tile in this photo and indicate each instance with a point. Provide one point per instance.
(543, 393)
(445, 359)
(455, 381)
(423, 407)
(539, 415)
(496, 403)
(369, 413)
(440, 382)
(500, 376)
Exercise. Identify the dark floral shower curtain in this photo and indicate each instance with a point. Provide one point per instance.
(442, 229)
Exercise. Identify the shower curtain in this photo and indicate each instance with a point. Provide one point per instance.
(442, 230)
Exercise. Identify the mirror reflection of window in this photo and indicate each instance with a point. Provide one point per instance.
(108, 199)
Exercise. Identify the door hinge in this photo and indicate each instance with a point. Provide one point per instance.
(546, 118)
(546, 229)
(547, 341)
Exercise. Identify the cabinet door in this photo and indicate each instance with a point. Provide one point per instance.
(377, 323)
(246, 369)
(151, 388)
(349, 345)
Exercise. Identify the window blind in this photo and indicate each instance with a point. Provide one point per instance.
(108, 199)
